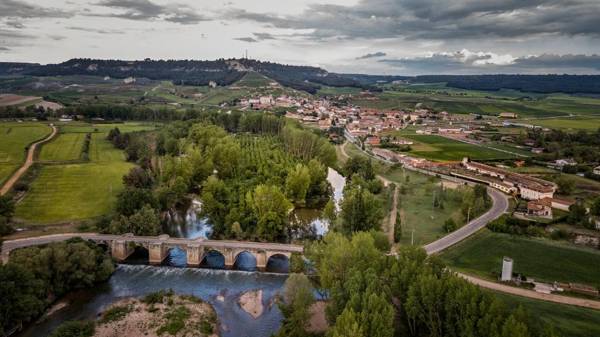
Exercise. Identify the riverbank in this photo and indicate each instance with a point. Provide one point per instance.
(157, 314)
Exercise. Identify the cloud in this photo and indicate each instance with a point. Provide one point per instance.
(4, 48)
(438, 20)
(246, 39)
(95, 30)
(15, 24)
(371, 55)
(24, 10)
(148, 10)
(467, 62)
(264, 36)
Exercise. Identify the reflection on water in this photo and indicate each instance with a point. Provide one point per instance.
(309, 220)
(219, 287)
(193, 227)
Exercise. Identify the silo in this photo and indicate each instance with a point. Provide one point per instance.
(507, 269)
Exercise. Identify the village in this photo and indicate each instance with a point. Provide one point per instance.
(373, 131)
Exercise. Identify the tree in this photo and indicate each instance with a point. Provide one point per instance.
(595, 209)
(297, 184)
(7, 207)
(271, 209)
(566, 185)
(144, 222)
(361, 210)
(330, 212)
(131, 200)
(450, 225)
(347, 325)
(297, 300)
(138, 178)
(398, 228)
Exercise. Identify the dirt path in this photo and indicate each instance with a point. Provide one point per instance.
(27, 164)
(580, 302)
(394, 210)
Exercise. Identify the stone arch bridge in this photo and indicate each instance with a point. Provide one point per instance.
(122, 246)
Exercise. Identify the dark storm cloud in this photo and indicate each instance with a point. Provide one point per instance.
(24, 10)
(440, 19)
(246, 39)
(147, 10)
(550, 61)
(487, 63)
(4, 49)
(371, 55)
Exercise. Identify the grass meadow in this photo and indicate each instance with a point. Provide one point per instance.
(542, 259)
(439, 148)
(422, 222)
(64, 147)
(64, 191)
(14, 138)
(568, 320)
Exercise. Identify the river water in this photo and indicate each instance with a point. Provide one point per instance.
(221, 288)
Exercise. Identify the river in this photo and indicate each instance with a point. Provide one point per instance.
(221, 288)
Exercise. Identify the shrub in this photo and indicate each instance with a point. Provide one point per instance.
(75, 329)
(116, 313)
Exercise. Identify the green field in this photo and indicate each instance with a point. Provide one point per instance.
(439, 148)
(253, 80)
(541, 259)
(101, 150)
(14, 138)
(580, 123)
(72, 192)
(416, 207)
(568, 320)
(64, 147)
(442, 98)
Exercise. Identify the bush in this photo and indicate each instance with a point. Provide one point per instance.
(116, 313)
(297, 263)
(559, 234)
(75, 329)
(157, 297)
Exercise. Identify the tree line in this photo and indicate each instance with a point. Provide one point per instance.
(370, 293)
(36, 276)
(242, 195)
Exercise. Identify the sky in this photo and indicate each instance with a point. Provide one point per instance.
(399, 37)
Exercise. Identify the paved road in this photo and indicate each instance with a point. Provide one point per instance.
(28, 162)
(8, 246)
(499, 206)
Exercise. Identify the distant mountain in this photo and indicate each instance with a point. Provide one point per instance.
(228, 71)
(192, 72)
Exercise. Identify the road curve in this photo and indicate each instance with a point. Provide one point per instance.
(499, 207)
(27, 164)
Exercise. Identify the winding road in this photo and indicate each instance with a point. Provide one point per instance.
(500, 205)
(27, 164)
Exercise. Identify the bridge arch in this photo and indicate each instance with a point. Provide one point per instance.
(278, 262)
(213, 258)
(245, 261)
